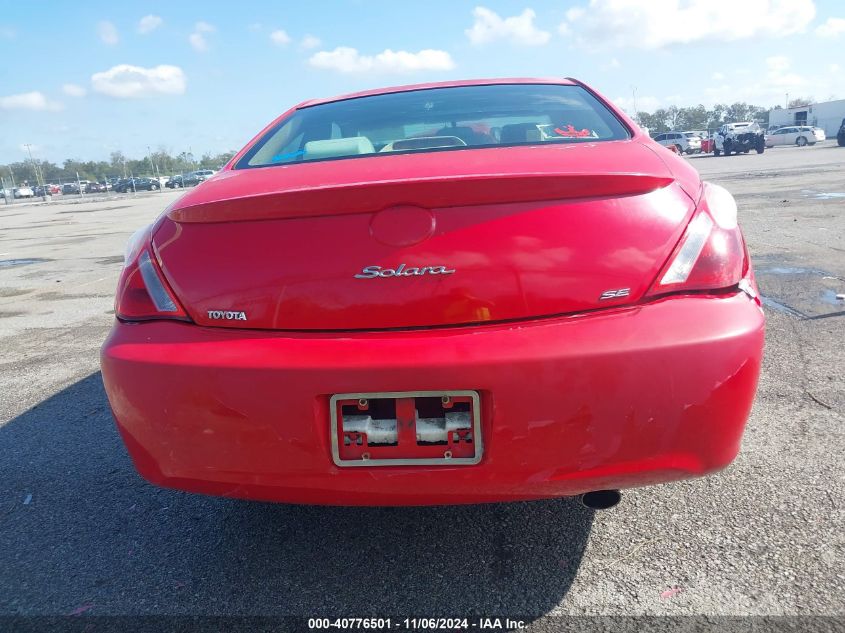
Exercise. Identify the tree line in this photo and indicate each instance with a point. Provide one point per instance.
(699, 117)
(158, 163)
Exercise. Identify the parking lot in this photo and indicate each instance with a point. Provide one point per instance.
(80, 532)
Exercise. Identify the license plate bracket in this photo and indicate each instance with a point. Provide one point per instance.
(412, 428)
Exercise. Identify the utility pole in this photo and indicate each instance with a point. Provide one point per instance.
(154, 167)
(11, 191)
(38, 178)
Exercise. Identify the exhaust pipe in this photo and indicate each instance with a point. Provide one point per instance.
(601, 499)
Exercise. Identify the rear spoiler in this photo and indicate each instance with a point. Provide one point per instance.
(431, 192)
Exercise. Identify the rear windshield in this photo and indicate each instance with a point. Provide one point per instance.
(437, 119)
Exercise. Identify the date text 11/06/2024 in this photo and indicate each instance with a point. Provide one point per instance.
(411, 624)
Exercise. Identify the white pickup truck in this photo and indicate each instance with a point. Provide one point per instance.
(743, 136)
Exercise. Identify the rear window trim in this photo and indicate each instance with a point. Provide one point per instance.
(243, 161)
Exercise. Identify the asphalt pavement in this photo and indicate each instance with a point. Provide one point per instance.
(81, 533)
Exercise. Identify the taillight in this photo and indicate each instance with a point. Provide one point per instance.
(142, 292)
(711, 255)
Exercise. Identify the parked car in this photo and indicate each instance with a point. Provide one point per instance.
(23, 192)
(538, 315)
(840, 135)
(683, 142)
(799, 135)
(693, 141)
(137, 184)
(94, 187)
(70, 188)
(46, 190)
(205, 174)
(122, 185)
(147, 184)
(184, 180)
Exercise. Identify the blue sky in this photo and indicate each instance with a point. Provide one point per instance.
(84, 79)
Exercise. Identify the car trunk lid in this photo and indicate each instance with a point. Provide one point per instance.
(422, 240)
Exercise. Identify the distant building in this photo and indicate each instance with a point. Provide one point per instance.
(827, 115)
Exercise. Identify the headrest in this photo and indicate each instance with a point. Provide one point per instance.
(466, 134)
(335, 147)
(519, 133)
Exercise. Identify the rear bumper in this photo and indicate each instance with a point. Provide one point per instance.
(619, 399)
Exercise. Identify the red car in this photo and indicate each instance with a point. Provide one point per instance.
(446, 293)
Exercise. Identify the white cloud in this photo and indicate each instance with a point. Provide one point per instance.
(770, 87)
(659, 23)
(777, 63)
(717, 76)
(197, 38)
(108, 33)
(612, 64)
(29, 101)
(489, 26)
(149, 23)
(644, 104)
(310, 41)
(834, 68)
(279, 37)
(131, 82)
(348, 60)
(575, 13)
(833, 27)
(74, 90)
(198, 41)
